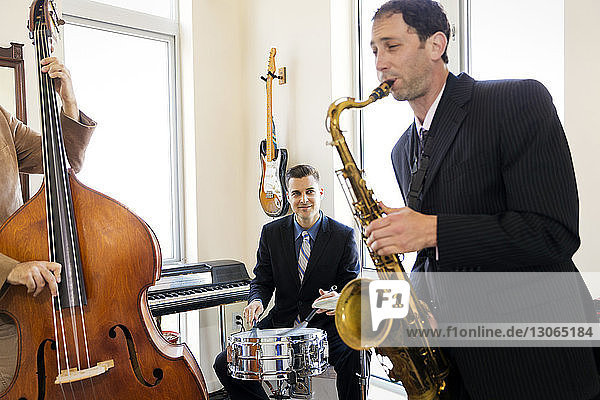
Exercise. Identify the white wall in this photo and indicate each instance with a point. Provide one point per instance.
(300, 31)
(582, 123)
(219, 127)
(212, 95)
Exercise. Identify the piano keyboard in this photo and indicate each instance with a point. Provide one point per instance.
(195, 298)
(198, 286)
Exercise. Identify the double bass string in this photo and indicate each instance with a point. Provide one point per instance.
(52, 125)
(54, 197)
(49, 112)
(68, 219)
(51, 239)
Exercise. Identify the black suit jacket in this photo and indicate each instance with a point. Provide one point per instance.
(502, 184)
(333, 261)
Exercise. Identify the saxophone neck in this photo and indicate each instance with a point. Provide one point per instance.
(336, 108)
(378, 93)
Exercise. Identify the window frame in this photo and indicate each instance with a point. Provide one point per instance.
(90, 14)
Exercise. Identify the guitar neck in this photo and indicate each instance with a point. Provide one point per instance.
(270, 133)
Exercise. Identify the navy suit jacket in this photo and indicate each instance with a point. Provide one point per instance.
(502, 184)
(333, 261)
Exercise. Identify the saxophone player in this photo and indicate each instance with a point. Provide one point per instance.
(486, 173)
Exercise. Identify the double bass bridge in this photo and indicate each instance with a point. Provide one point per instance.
(74, 374)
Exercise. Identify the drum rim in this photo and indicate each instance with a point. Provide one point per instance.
(264, 336)
(260, 376)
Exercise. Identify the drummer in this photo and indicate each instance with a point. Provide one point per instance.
(298, 256)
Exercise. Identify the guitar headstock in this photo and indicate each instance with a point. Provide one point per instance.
(271, 66)
(43, 17)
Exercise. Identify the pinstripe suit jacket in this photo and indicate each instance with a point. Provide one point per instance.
(502, 184)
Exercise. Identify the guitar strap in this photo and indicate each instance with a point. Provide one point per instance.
(419, 167)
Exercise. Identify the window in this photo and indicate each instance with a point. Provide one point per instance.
(123, 67)
(160, 8)
(528, 43)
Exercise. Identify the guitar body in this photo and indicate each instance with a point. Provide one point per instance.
(272, 190)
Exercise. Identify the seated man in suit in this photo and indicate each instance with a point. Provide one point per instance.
(298, 256)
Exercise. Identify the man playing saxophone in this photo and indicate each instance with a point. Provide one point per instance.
(486, 173)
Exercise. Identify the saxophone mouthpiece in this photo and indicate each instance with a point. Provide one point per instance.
(382, 90)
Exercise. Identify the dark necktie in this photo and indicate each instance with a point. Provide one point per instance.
(422, 135)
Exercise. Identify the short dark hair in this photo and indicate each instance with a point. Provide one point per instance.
(426, 17)
(300, 171)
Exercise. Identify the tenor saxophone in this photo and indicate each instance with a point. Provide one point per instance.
(422, 369)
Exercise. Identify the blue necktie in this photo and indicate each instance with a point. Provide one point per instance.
(304, 254)
(303, 260)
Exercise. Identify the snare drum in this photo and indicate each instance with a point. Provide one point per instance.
(268, 356)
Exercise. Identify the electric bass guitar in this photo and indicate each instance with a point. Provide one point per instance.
(272, 191)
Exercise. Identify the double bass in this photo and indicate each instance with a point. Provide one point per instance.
(96, 339)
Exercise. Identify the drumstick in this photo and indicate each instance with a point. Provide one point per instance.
(253, 332)
(304, 323)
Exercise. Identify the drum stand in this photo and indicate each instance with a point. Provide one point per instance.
(295, 386)
(277, 393)
(363, 378)
(300, 387)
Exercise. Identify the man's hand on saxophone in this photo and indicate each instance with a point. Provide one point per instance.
(401, 230)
